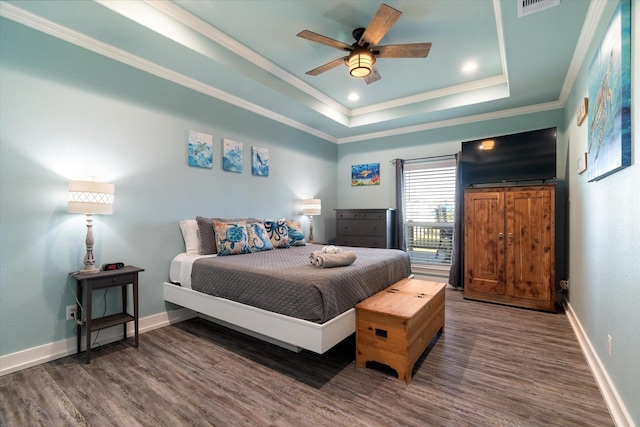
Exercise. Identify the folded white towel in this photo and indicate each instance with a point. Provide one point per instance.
(332, 249)
(329, 260)
(313, 257)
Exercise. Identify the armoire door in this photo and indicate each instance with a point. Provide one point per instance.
(530, 243)
(484, 249)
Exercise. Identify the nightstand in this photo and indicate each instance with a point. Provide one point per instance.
(123, 277)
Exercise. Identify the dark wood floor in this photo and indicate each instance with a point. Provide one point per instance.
(493, 366)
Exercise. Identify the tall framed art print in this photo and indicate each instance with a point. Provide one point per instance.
(609, 148)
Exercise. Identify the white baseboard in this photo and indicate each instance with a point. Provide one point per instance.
(45, 353)
(618, 411)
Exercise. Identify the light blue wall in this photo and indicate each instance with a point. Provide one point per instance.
(604, 245)
(438, 142)
(598, 220)
(446, 141)
(67, 114)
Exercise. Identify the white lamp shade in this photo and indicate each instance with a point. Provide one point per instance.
(311, 207)
(90, 197)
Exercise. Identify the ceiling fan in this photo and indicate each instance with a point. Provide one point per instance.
(364, 52)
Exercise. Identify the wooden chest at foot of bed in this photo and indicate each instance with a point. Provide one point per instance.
(396, 325)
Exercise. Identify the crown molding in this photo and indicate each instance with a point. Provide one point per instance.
(45, 26)
(594, 15)
(497, 9)
(529, 109)
(338, 112)
(212, 33)
(429, 96)
(38, 23)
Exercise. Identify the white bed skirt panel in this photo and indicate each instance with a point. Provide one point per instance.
(288, 332)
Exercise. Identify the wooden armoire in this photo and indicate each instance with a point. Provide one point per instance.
(509, 245)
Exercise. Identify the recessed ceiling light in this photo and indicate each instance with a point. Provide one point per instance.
(353, 96)
(469, 66)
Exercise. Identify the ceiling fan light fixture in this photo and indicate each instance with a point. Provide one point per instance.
(360, 63)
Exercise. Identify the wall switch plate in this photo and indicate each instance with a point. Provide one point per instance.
(71, 312)
(609, 345)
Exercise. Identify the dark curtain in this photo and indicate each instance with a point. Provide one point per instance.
(456, 276)
(400, 241)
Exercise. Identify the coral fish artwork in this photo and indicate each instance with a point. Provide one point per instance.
(365, 174)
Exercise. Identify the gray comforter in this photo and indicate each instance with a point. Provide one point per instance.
(283, 280)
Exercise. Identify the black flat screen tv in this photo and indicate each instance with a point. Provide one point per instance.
(520, 157)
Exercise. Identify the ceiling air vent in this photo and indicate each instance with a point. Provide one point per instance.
(527, 7)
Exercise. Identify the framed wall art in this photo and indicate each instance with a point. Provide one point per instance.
(232, 155)
(583, 109)
(609, 147)
(200, 150)
(260, 161)
(581, 165)
(365, 174)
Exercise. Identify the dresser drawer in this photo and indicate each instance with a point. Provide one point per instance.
(347, 215)
(380, 216)
(351, 227)
(362, 241)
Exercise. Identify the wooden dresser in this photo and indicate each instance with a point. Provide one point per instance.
(371, 228)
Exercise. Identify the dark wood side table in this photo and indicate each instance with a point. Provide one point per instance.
(107, 279)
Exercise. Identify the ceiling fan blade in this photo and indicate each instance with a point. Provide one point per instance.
(327, 41)
(380, 24)
(326, 67)
(373, 77)
(409, 50)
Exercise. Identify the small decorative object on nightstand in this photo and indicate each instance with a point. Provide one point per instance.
(106, 279)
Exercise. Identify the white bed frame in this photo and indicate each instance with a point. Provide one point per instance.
(288, 332)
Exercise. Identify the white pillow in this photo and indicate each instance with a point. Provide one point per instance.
(191, 236)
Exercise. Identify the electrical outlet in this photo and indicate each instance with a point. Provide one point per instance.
(71, 312)
(609, 345)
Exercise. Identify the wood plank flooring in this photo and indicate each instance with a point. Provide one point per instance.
(492, 366)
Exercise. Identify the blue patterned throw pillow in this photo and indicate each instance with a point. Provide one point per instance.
(258, 237)
(278, 233)
(296, 237)
(231, 238)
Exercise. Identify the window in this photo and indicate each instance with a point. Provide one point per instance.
(429, 195)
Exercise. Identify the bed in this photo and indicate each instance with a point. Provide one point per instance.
(278, 296)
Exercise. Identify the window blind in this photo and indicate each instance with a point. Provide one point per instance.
(429, 195)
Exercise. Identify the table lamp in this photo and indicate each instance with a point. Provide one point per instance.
(311, 207)
(89, 198)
